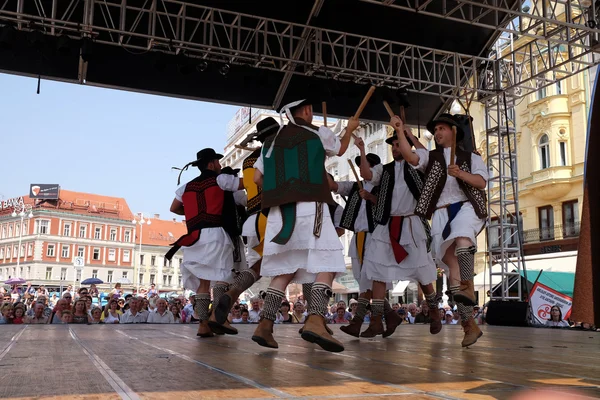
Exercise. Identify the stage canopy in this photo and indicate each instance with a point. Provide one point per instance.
(260, 53)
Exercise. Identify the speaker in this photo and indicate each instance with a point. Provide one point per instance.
(464, 122)
(507, 313)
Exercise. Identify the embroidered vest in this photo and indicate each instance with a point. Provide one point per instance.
(295, 171)
(352, 209)
(413, 179)
(252, 189)
(436, 173)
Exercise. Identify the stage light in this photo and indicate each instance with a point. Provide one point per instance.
(224, 70)
(7, 38)
(202, 66)
(184, 65)
(161, 61)
(36, 39)
(63, 45)
(86, 49)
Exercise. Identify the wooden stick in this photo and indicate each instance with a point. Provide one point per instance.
(364, 102)
(402, 115)
(388, 108)
(360, 186)
(453, 148)
(324, 107)
(237, 146)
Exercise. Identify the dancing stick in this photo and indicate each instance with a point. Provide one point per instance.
(237, 146)
(364, 102)
(324, 107)
(360, 186)
(453, 148)
(388, 108)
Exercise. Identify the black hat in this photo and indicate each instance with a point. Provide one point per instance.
(207, 154)
(264, 128)
(230, 171)
(391, 139)
(446, 119)
(372, 158)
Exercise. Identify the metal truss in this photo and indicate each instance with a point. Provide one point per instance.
(207, 33)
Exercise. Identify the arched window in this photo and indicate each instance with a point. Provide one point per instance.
(544, 146)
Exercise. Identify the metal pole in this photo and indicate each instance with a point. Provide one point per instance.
(138, 277)
(20, 240)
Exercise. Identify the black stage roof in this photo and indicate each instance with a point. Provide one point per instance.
(145, 71)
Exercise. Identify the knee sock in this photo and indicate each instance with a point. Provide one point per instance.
(272, 303)
(306, 292)
(201, 305)
(432, 300)
(244, 280)
(361, 309)
(319, 299)
(465, 312)
(219, 290)
(377, 307)
(466, 262)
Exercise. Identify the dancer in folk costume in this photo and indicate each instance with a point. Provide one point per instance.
(255, 225)
(454, 199)
(213, 247)
(358, 217)
(301, 243)
(399, 248)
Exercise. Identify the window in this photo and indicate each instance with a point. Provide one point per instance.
(50, 250)
(3, 231)
(83, 231)
(570, 216)
(165, 262)
(78, 275)
(152, 276)
(21, 271)
(41, 226)
(17, 230)
(164, 280)
(491, 176)
(153, 261)
(22, 253)
(124, 275)
(170, 280)
(541, 93)
(98, 233)
(65, 251)
(180, 260)
(80, 251)
(30, 250)
(546, 222)
(141, 278)
(48, 273)
(2, 252)
(170, 263)
(10, 230)
(141, 259)
(96, 255)
(109, 277)
(95, 273)
(67, 230)
(562, 147)
(127, 237)
(544, 146)
(63, 274)
(111, 254)
(126, 255)
(14, 253)
(113, 234)
(179, 281)
(28, 272)
(558, 85)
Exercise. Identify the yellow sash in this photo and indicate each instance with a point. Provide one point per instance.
(360, 245)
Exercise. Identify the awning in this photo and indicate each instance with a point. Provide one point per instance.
(400, 288)
(562, 282)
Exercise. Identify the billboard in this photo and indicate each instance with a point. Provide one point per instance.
(44, 191)
(542, 299)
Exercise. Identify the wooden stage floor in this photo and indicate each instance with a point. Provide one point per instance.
(168, 361)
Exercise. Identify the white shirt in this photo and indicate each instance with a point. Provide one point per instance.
(452, 192)
(331, 144)
(253, 316)
(226, 182)
(129, 318)
(158, 318)
(362, 223)
(403, 202)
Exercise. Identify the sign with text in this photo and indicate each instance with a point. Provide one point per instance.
(44, 191)
(11, 203)
(543, 298)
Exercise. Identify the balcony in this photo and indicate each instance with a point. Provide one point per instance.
(557, 232)
(551, 183)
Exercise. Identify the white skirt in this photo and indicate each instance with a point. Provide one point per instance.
(380, 263)
(249, 232)
(304, 254)
(466, 224)
(211, 259)
(358, 272)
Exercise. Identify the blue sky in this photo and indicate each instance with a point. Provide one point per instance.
(102, 141)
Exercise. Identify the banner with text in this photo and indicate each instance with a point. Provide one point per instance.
(543, 298)
(44, 191)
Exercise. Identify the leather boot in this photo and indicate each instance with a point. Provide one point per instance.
(225, 303)
(353, 329)
(315, 331)
(326, 327)
(466, 293)
(263, 335)
(204, 330)
(472, 332)
(435, 326)
(392, 320)
(225, 327)
(375, 327)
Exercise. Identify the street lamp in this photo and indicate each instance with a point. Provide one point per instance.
(139, 219)
(21, 210)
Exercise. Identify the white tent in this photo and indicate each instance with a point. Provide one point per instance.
(400, 288)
